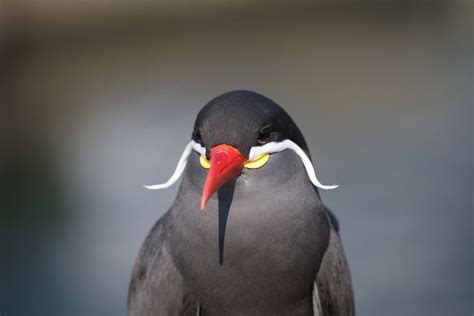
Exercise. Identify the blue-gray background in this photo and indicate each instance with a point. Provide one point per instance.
(98, 98)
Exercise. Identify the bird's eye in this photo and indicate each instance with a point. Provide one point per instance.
(264, 135)
(197, 135)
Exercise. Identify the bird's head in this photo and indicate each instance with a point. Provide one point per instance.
(237, 130)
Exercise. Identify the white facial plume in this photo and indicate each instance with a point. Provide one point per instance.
(255, 152)
(180, 167)
(275, 147)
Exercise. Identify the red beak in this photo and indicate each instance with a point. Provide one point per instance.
(226, 164)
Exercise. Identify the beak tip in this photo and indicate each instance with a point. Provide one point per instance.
(203, 204)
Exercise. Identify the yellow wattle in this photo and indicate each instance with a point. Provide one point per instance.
(258, 162)
(206, 164)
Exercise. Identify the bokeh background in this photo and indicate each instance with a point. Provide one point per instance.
(98, 98)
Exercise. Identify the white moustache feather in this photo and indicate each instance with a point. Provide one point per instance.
(183, 160)
(269, 148)
(276, 147)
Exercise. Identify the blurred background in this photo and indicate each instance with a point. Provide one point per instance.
(98, 98)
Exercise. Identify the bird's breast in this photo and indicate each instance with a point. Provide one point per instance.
(267, 226)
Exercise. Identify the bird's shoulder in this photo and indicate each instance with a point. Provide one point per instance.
(332, 219)
(156, 282)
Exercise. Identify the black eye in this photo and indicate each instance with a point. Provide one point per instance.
(197, 135)
(264, 135)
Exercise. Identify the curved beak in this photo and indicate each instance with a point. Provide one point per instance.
(226, 163)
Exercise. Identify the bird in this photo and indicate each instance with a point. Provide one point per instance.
(247, 233)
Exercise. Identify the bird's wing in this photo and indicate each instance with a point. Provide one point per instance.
(332, 293)
(317, 308)
(156, 284)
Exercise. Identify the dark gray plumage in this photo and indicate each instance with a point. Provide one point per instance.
(279, 245)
